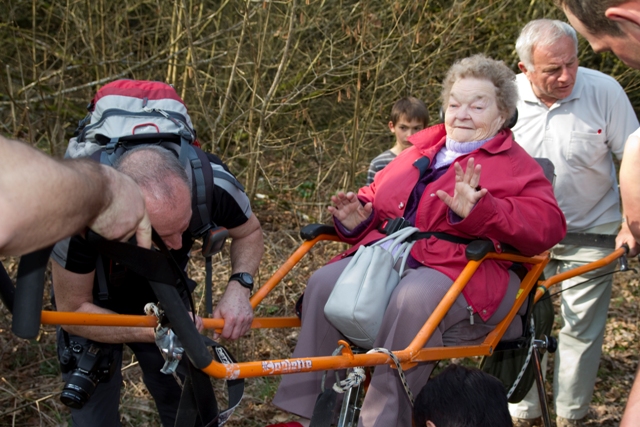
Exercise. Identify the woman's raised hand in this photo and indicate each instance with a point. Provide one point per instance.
(348, 210)
(466, 192)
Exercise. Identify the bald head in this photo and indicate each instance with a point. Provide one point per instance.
(166, 189)
(156, 170)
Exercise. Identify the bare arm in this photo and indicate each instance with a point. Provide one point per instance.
(632, 411)
(630, 185)
(234, 307)
(73, 292)
(43, 200)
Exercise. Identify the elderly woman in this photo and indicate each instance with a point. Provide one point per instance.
(467, 178)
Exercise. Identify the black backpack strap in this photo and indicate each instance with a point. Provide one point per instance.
(202, 204)
(101, 276)
(202, 193)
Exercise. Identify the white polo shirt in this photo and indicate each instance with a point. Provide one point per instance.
(578, 134)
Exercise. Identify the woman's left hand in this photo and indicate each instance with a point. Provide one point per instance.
(467, 192)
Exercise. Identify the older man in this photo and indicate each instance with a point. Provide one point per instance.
(614, 25)
(85, 281)
(577, 118)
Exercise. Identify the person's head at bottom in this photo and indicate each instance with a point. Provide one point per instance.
(462, 397)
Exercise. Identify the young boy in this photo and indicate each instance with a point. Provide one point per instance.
(408, 116)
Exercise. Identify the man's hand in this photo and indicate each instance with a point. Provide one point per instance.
(124, 214)
(234, 307)
(625, 236)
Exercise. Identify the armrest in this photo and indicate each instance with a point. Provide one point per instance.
(477, 249)
(311, 231)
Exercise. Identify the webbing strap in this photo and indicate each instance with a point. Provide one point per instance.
(188, 154)
(439, 235)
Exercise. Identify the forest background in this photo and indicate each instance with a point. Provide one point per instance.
(295, 96)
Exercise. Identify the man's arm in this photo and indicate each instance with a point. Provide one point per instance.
(630, 184)
(43, 200)
(74, 293)
(234, 307)
(632, 411)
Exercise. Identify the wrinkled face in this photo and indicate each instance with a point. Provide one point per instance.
(170, 220)
(626, 48)
(555, 69)
(404, 128)
(472, 111)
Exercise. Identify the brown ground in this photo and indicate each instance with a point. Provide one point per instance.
(30, 382)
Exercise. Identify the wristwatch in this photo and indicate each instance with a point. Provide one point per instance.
(245, 279)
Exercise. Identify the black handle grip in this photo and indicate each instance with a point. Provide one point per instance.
(27, 304)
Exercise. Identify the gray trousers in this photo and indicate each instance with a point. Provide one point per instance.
(412, 302)
(584, 311)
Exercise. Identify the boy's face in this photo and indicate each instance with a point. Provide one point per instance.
(404, 128)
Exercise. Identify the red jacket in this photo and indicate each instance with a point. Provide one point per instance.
(519, 209)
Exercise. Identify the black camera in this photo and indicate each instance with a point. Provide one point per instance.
(86, 365)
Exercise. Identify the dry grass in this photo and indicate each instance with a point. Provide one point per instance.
(295, 96)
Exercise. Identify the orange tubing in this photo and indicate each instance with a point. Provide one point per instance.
(413, 354)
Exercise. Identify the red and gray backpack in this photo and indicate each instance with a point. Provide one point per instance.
(127, 113)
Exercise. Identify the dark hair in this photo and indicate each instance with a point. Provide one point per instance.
(411, 108)
(462, 397)
(591, 14)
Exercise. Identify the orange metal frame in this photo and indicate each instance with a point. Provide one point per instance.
(408, 357)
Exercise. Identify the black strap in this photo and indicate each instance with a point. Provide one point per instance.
(27, 304)
(438, 235)
(391, 225)
(199, 401)
(198, 405)
(208, 292)
(101, 276)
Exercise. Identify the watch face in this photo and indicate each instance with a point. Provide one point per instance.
(246, 278)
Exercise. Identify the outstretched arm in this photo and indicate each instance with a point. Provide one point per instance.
(43, 200)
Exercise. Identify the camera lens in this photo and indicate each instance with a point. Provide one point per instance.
(77, 390)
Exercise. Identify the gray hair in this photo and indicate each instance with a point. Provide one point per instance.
(542, 32)
(482, 67)
(155, 169)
